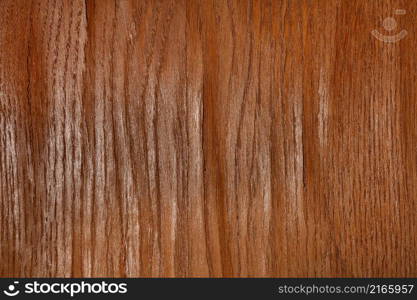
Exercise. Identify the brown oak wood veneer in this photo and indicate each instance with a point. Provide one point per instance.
(201, 138)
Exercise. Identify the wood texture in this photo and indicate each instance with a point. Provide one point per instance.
(207, 138)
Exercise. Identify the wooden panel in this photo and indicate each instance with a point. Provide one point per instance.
(215, 138)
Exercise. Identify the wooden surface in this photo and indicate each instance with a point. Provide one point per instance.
(207, 138)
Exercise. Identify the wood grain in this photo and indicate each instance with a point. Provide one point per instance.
(215, 138)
